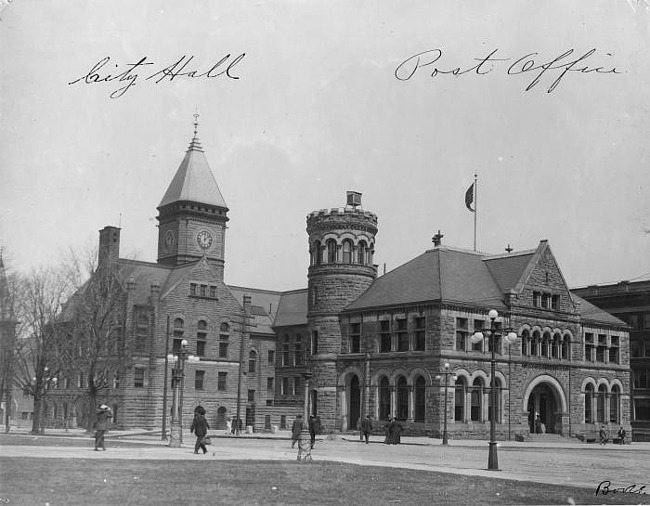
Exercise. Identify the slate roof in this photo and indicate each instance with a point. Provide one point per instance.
(292, 309)
(508, 270)
(440, 274)
(589, 312)
(264, 305)
(194, 180)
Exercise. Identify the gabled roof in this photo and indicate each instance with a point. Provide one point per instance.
(509, 269)
(442, 274)
(194, 181)
(264, 304)
(590, 313)
(292, 309)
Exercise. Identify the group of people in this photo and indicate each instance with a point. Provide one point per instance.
(297, 435)
(604, 436)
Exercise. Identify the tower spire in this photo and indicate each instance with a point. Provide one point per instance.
(195, 144)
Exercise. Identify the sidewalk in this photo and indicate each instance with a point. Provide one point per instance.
(154, 437)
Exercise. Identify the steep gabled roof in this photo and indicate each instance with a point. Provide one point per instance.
(292, 309)
(194, 181)
(508, 270)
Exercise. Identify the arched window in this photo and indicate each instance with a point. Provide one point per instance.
(600, 404)
(546, 341)
(525, 342)
(402, 399)
(499, 395)
(614, 405)
(331, 251)
(555, 350)
(420, 401)
(476, 401)
(589, 402)
(566, 346)
(361, 253)
(534, 344)
(384, 399)
(317, 253)
(347, 251)
(252, 361)
(459, 400)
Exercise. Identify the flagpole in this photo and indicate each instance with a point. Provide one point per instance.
(475, 206)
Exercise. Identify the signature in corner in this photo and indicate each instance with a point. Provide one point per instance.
(605, 487)
(100, 72)
(528, 64)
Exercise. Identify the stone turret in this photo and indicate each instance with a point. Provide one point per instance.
(341, 248)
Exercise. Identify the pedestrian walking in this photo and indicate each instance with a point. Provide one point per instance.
(603, 435)
(366, 427)
(104, 415)
(199, 428)
(228, 426)
(388, 431)
(314, 428)
(295, 430)
(396, 432)
(621, 435)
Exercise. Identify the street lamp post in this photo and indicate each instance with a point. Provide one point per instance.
(492, 334)
(178, 373)
(446, 373)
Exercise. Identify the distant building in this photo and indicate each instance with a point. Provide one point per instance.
(352, 343)
(630, 301)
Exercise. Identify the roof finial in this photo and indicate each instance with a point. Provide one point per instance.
(437, 239)
(196, 121)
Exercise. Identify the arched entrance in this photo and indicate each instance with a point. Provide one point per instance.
(545, 399)
(354, 408)
(220, 420)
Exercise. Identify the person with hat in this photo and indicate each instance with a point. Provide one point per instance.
(104, 414)
(200, 429)
(295, 430)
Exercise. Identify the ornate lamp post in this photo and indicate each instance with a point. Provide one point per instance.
(446, 373)
(178, 375)
(492, 334)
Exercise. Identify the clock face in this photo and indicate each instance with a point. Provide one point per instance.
(169, 239)
(204, 239)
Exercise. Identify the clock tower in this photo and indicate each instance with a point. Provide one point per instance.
(192, 215)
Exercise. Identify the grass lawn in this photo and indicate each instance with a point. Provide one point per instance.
(69, 482)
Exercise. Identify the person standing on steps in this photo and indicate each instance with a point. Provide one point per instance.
(104, 414)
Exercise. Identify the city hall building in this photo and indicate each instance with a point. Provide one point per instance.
(354, 343)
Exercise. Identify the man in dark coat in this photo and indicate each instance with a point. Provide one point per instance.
(200, 429)
(313, 429)
(295, 430)
(104, 414)
(366, 427)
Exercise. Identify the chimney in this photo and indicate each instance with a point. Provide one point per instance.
(109, 244)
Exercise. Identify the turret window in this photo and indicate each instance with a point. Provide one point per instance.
(331, 251)
(361, 253)
(347, 251)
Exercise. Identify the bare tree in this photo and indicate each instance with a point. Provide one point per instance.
(40, 345)
(96, 318)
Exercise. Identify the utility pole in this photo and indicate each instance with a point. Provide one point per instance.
(242, 346)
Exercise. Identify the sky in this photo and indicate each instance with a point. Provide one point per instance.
(549, 107)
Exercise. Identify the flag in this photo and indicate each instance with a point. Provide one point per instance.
(469, 197)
